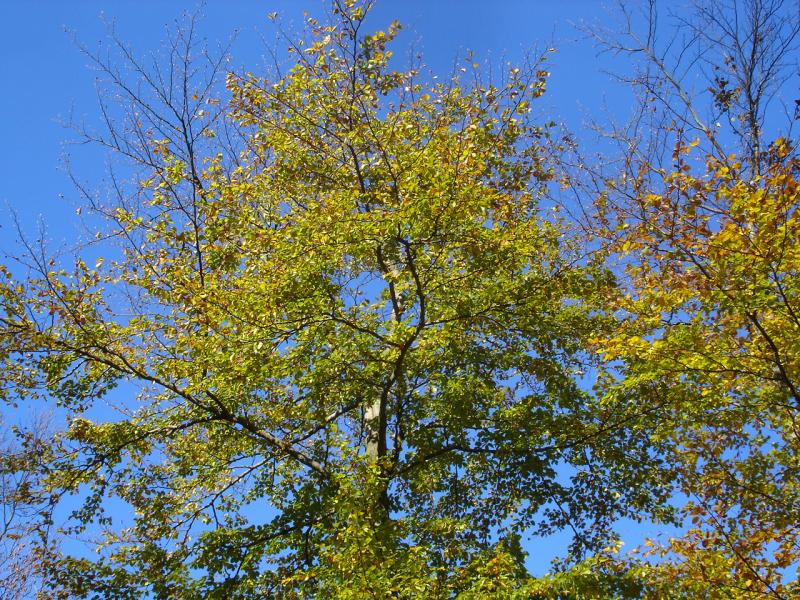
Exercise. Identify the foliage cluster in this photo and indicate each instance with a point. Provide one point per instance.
(358, 358)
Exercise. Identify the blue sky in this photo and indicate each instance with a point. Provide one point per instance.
(46, 79)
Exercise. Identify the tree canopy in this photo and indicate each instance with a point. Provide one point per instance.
(353, 353)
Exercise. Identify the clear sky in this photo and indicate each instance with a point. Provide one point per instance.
(45, 78)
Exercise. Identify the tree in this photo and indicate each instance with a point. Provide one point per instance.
(702, 216)
(714, 307)
(356, 338)
(18, 576)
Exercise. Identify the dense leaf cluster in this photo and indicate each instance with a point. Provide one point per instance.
(354, 357)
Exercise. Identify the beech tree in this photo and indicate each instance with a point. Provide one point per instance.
(354, 338)
(701, 217)
(718, 286)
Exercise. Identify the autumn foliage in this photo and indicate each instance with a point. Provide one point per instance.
(336, 347)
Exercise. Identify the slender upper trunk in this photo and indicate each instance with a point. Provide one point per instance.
(375, 426)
